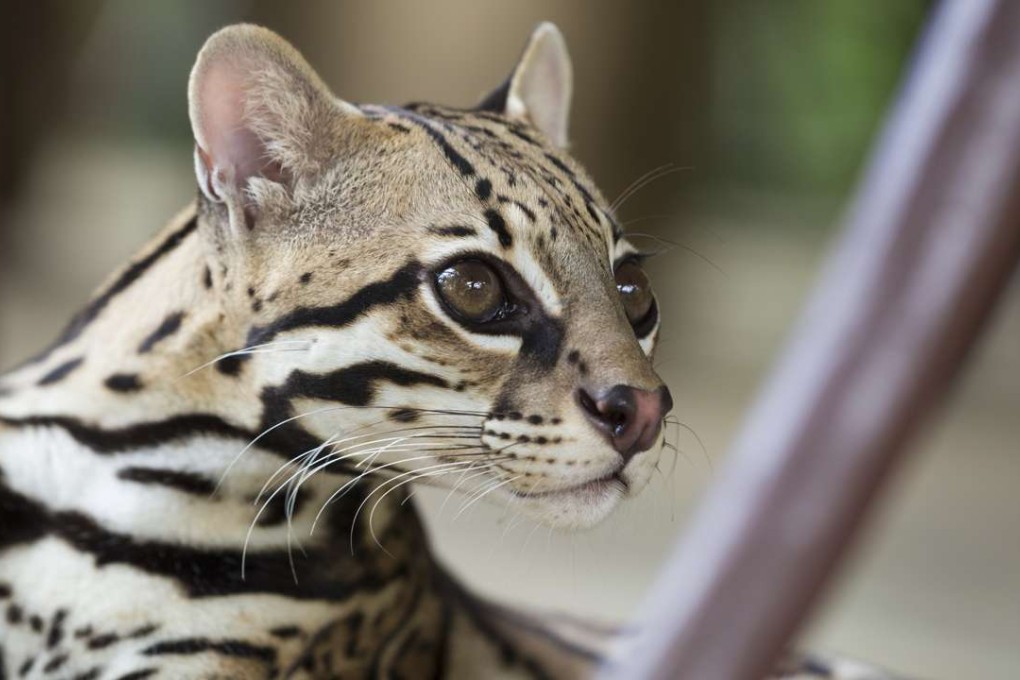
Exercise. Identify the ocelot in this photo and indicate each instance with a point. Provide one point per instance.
(206, 475)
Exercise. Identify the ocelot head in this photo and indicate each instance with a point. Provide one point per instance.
(434, 294)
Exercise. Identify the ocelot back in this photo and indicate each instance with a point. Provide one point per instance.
(205, 476)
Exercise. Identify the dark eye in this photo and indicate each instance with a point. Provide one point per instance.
(472, 290)
(635, 292)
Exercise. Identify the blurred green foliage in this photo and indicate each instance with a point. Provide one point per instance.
(798, 87)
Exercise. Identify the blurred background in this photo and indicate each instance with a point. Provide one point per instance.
(762, 112)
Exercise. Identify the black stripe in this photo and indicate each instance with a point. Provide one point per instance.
(528, 212)
(400, 285)
(137, 436)
(168, 327)
(462, 164)
(456, 230)
(323, 573)
(61, 371)
(139, 674)
(232, 648)
(85, 317)
(355, 384)
(56, 634)
(283, 441)
(573, 177)
(123, 382)
(186, 482)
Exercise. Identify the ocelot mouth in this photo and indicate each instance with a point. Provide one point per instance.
(600, 486)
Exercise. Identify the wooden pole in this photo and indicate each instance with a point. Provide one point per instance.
(927, 249)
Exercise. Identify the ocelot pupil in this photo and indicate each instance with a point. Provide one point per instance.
(472, 290)
(635, 291)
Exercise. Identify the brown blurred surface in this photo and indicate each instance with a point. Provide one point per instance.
(766, 111)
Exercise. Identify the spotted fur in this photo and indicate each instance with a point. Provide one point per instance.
(206, 475)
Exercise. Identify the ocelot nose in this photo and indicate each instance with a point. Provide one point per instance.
(630, 418)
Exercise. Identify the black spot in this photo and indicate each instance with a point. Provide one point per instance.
(399, 127)
(5, 591)
(483, 189)
(26, 667)
(144, 631)
(231, 365)
(36, 622)
(123, 382)
(14, 614)
(55, 663)
(61, 371)
(103, 641)
(207, 278)
(305, 278)
(541, 440)
(90, 674)
(573, 356)
(535, 419)
(170, 325)
(496, 223)
(404, 415)
(186, 482)
(256, 306)
(56, 627)
(286, 632)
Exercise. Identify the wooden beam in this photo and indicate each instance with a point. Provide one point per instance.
(928, 247)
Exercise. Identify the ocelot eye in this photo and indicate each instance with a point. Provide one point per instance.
(472, 290)
(635, 291)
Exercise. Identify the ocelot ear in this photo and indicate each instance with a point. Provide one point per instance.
(258, 111)
(539, 89)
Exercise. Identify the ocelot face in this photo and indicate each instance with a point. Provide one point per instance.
(441, 296)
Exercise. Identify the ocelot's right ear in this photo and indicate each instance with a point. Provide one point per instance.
(260, 115)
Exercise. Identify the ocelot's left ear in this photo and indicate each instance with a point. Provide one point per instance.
(539, 89)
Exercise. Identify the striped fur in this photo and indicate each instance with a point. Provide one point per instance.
(206, 474)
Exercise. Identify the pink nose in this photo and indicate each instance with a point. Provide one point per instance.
(629, 417)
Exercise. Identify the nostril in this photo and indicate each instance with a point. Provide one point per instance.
(613, 411)
(630, 417)
(617, 408)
